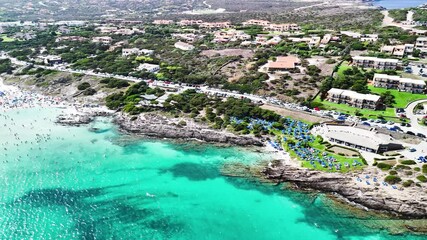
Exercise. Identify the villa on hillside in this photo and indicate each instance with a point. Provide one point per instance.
(148, 67)
(162, 22)
(398, 50)
(354, 99)
(377, 63)
(401, 84)
(136, 51)
(103, 40)
(186, 22)
(421, 44)
(256, 23)
(211, 25)
(283, 64)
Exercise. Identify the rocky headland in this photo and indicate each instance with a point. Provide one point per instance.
(159, 126)
(406, 204)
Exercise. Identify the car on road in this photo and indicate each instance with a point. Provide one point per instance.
(421, 135)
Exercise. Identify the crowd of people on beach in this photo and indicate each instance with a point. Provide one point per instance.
(14, 97)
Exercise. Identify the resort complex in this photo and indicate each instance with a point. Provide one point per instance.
(399, 83)
(141, 119)
(353, 98)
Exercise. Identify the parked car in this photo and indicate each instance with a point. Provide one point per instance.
(421, 135)
(366, 124)
(410, 133)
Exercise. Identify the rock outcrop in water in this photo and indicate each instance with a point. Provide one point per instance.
(80, 118)
(155, 125)
(73, 119)
(408, 204)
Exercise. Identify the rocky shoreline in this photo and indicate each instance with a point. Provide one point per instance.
(158, 126)
(407, 205)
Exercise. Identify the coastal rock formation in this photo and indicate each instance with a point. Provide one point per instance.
(73, 119)
(77, 119)
(154, 125)
(405, 205)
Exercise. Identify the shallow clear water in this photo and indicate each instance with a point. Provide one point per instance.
(62, 182)
(395, 4)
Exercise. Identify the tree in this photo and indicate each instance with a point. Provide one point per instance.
(388, 99)
(83, 86)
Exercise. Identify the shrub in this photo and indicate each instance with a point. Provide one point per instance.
(83, 86)
(422, 178)
(425, 168)
(417, 169)
(408, 162)
(408, 173)
(330, 61)
(384, 166)
(392, 179)
(407, 183)
(182, 123)
(393, 172)
(89, 92)
(400, 167)
(115, 83)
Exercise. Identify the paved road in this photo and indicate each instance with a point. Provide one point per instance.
(414, 117)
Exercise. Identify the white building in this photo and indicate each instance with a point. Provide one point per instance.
(184, 46)
(148, 67)
(398, 50)
(136, 51)
(397, 82)
(377, 63)
(103, 40)
(421, 44)
(256, 22)
(369, 37)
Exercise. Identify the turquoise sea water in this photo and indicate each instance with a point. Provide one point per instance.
(395, 4)
(62, 182)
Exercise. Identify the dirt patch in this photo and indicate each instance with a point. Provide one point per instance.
(295, 114)
(245, 53)
(341, 150)
(320, 62)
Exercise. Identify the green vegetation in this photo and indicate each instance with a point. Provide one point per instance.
(388, 113)
(424, 167)
(408, 183)
(402, 167)
(408, 162)
(392, 179)
(5, 66)
(320, 145)
(4, 38)
(129, 99)
(83, 86)
(401, 98)
(384, 166)
(393, 172)
(248, 84)
(420, 15)
(89, 91)
(398, 15)
(422, 178)
(115, 83)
